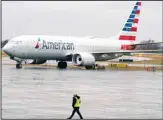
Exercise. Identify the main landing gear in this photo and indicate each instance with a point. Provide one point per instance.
(90, 67)
(62, 65)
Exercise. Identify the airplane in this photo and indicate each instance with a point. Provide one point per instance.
(81, 51)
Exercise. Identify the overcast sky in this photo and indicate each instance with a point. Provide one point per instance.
(79, 18)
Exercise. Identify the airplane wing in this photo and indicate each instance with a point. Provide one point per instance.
(128, 52)
(139, 48)
(133, 48)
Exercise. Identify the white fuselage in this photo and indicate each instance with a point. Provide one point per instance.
(58, 47)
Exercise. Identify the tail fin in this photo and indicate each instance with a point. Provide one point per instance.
(131, 26)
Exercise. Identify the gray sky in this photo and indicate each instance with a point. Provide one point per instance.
(79, 18)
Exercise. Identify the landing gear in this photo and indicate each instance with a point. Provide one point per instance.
(18, 65)
(62, 65)
(90, 67)
(19, 62)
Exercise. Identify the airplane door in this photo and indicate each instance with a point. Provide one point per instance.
(13, 48)
(22, 49)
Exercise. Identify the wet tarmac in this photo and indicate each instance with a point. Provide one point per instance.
(42, 92)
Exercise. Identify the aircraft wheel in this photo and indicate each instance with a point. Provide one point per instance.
(62, 65)
(90, 67)
(18, 66)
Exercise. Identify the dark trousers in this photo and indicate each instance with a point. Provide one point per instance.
(76, 109)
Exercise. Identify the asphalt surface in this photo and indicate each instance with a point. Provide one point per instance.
(42, 92)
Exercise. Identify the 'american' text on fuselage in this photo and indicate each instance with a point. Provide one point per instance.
(58, 45)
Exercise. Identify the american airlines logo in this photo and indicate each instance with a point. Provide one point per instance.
(37, 44)
(56, 45)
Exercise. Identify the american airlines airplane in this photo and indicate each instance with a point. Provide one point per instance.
(82, 51)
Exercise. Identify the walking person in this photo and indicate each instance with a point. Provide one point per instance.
(76, 106)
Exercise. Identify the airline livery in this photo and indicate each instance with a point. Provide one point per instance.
(82, 51)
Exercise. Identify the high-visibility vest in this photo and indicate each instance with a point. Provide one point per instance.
(77, 104)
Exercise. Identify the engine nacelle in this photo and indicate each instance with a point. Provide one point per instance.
(83, 59)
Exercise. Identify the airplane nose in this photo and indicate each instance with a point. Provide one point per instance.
(7, 50)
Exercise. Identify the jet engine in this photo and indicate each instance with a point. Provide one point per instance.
(83, 59)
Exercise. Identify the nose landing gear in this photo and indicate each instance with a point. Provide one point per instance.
(18, 65)
(19, 62)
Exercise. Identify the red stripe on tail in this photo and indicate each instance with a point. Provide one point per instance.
(136, 20)
(138, 12)
(139, 3)
(124, 37)
(134, 29)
